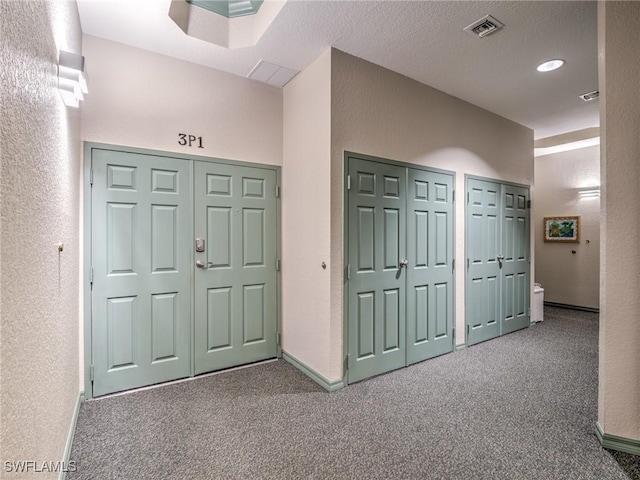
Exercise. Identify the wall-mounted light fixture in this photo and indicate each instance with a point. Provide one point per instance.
(590, 193)
(72, 81)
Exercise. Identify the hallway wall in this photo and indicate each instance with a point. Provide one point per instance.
(619, 352)
(379, 112)
(307, 216)
(40, 182)
(572, 279)
(142, 99)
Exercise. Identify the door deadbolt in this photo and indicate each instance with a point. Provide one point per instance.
(199, 244)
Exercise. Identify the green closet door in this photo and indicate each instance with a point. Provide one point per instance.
(235, 279)
(141, 236)
(498, 251)
(484, 230)
(430, 269)
(377, 245)
(515, 266)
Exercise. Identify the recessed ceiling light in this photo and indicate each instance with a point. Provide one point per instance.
(550, 65)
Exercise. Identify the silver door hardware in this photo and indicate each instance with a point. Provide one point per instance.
(199, 244)
(200, 264)
(404, 263)
(500, 260)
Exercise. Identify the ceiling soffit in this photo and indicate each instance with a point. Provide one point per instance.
(244, 29)
(229, 8)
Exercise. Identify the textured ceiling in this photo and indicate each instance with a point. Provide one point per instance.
(423, 40)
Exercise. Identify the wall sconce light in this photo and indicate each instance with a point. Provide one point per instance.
(594, 192)
(72, 81)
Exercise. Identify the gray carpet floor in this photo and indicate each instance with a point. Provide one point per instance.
(519, 407)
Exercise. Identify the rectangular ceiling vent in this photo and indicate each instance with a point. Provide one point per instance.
(485, 26)
(272, 74)
(587, 97)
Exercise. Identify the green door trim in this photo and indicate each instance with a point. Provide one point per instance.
(468, 177)
(345, 244)
(87, 242)
(614, 442)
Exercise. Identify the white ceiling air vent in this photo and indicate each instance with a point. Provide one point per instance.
(485, 26)
(272, 74)
(587, 97)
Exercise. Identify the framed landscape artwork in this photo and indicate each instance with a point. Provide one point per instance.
(562, 229)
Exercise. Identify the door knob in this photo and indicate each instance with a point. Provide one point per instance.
(199, 264)
(404, 263)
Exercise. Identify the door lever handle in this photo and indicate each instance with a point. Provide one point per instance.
(500, 259)
(403, 263)
(201, 264)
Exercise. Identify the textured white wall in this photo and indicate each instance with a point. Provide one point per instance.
(619, 70)
(306, 215)
(379, 112)
(40, 175)
(143, 99)
(572, 279)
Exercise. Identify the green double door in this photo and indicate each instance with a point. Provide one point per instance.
(400, 266)
(183, 258)
(498, 263)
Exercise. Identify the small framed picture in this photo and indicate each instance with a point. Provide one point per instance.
(562, 229)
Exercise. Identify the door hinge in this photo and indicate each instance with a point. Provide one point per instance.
(278, 338)
(277, 264)
(453, 336)
(348, 182)
(467, 264)
(91, 373)
(468, 325)
(454, 195)
(468, 197)
(348, 271)
(277, 191)
(91, 177)
(347, 361)
(91, 275)
(453, 264)
(528, 204)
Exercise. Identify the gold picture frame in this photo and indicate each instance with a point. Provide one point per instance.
(564, 229)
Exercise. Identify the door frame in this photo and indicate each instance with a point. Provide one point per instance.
(468, 177)
(86, 267)
(345, 244)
